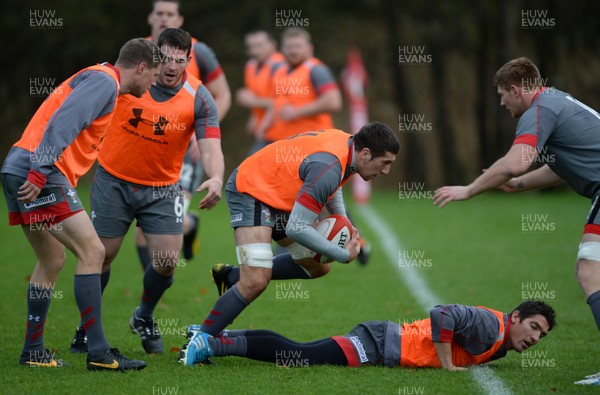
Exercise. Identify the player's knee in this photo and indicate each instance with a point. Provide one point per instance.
(319, 270)
(55, 262)
(93, 254)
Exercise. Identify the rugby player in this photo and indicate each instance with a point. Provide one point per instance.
(279, 192)
(204, 66)
(39, 177)
(138, 172)
(453, 337)
(261, 48)
(562, 135)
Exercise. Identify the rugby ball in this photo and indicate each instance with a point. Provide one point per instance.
(337, 229)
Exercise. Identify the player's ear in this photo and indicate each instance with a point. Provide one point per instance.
(365, 154)
(515, 90)
(515, 316)
(141, 67)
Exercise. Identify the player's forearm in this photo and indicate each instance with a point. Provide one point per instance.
(330, 101)
(299, 229)
(246, 98)
(214, 164)
(498, 174)
(543, 177)
(444, 353)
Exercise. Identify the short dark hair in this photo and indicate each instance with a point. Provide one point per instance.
(532, 307)
(377, 137)
(136, 51)
(178, 2)
(177, 38)
(520, 72)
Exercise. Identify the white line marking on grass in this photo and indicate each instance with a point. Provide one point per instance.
(488, 381)
(417, 286)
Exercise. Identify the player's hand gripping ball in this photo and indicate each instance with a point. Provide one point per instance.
(338, 230)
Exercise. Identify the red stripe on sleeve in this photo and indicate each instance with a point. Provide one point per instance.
(529, 139)
(212, 132)
(446, 335)
(216, 73)
(310, 203)
(36, 178)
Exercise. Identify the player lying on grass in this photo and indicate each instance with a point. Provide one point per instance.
(278, 193)
(560, 134)
(453, 337)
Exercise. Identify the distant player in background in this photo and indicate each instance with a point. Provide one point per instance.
(205, 67)
(39, 175)
(562, 135)
(137, 177)
(453, 337)
(303, 89)
(261, 48)
(276, 197)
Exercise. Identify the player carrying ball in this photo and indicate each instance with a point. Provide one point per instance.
(278, 193)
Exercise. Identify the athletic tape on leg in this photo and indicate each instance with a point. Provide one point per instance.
(255, 255)
(589, 250)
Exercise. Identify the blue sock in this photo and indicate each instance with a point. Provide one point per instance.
(155, 286)
(594, 302)
(225, 310)
(88, 296)
(38, 303)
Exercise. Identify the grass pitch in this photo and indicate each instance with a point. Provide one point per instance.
(483, 252)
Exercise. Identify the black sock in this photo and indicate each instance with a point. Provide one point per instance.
(104, 277)
(144, 255)
(284, 268)
(155, 286)
(89, 301)
(225, 310)
(38, 303)
(234, 275)
(594, 302)
(224, 346)
(273, 347)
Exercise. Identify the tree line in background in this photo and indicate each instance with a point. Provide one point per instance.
(430, 63)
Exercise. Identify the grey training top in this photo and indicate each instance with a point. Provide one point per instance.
(566, 134)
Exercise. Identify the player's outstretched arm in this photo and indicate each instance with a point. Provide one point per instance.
(515, 163)
(542, 177)
(214, 165)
